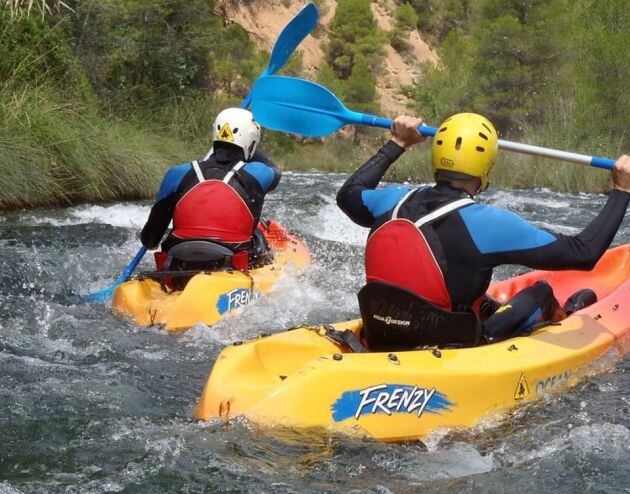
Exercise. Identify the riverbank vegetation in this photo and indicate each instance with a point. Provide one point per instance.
(99, 97)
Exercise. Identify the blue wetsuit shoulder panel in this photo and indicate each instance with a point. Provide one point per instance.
(263, 174)
(379, 201)
(172, 179)
(497, 230)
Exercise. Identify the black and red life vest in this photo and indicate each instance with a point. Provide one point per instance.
(398, 253)
(213, 210)
(406, 303)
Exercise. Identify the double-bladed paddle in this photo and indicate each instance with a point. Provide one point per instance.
(291, 36)
(306, 108)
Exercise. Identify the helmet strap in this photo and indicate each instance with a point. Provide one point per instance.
(251, 149)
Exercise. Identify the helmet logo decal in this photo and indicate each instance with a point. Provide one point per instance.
(225, 134)
(446, 162)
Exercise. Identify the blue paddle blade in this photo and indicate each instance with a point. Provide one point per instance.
(291, 36)
(100, 297)
(104, 295)
(299, 107)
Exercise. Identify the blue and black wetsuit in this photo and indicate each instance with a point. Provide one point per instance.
(218, 199)
(469, 242)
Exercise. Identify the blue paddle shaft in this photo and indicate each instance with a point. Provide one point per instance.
(127, 272)
(386, 123)
(425, 130)
(604, 163)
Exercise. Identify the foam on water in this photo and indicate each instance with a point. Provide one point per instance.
(333, 225)
(89, 402)
(126, 215)
(564, 229)
(517, 201)
(6, 488)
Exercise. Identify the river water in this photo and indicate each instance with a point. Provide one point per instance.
(90, 402)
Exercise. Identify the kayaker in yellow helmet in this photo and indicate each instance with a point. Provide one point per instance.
(216, 201)
(431, 250)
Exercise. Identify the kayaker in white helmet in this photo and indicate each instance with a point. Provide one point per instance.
(218, 199)
(431, 250)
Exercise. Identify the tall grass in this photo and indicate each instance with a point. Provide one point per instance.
(26, 7)
(53, 153)
(60, 144)
(57, 144)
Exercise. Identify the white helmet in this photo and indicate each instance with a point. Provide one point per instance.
(237, 126)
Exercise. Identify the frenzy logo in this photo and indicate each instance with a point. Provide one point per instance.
(552, 382)
(388, 320)
(389, 399)
(236, 299)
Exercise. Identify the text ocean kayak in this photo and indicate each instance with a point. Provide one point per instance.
(209, 296)
(302, 378)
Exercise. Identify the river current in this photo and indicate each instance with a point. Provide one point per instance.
(91, 403)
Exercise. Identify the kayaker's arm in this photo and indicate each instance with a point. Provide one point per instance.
(261, 157)
(503, 237)
(582, 251)
(357, 196)
(159, 218)
(162, 211)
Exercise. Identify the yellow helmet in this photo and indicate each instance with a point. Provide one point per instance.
(467, 144)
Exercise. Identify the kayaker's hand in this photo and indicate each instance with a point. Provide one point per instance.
(621, 173)
(405, 131)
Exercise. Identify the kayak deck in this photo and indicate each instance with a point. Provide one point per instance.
(209, 296)
(302, 378)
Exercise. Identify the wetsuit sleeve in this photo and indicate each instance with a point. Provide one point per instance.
(506, 238)
(358, 197)
(162, 211)
(261, 157)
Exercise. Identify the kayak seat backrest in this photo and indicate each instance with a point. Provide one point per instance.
(395, 319)
(198, 251)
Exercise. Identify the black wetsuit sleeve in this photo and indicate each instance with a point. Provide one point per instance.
(263, 158)
(367, 177)
(581, 251)
(159, 218)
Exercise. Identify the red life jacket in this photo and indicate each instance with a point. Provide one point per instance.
(213, 210)
(398, 253)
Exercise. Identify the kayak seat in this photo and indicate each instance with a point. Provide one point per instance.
(580, 300)
(198, 251)
(395, 319)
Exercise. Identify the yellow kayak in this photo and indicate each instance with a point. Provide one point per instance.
(209, 296)
(303, 378)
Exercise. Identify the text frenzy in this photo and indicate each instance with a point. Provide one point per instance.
(379, 398)
(239, 298)
(236, 299)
